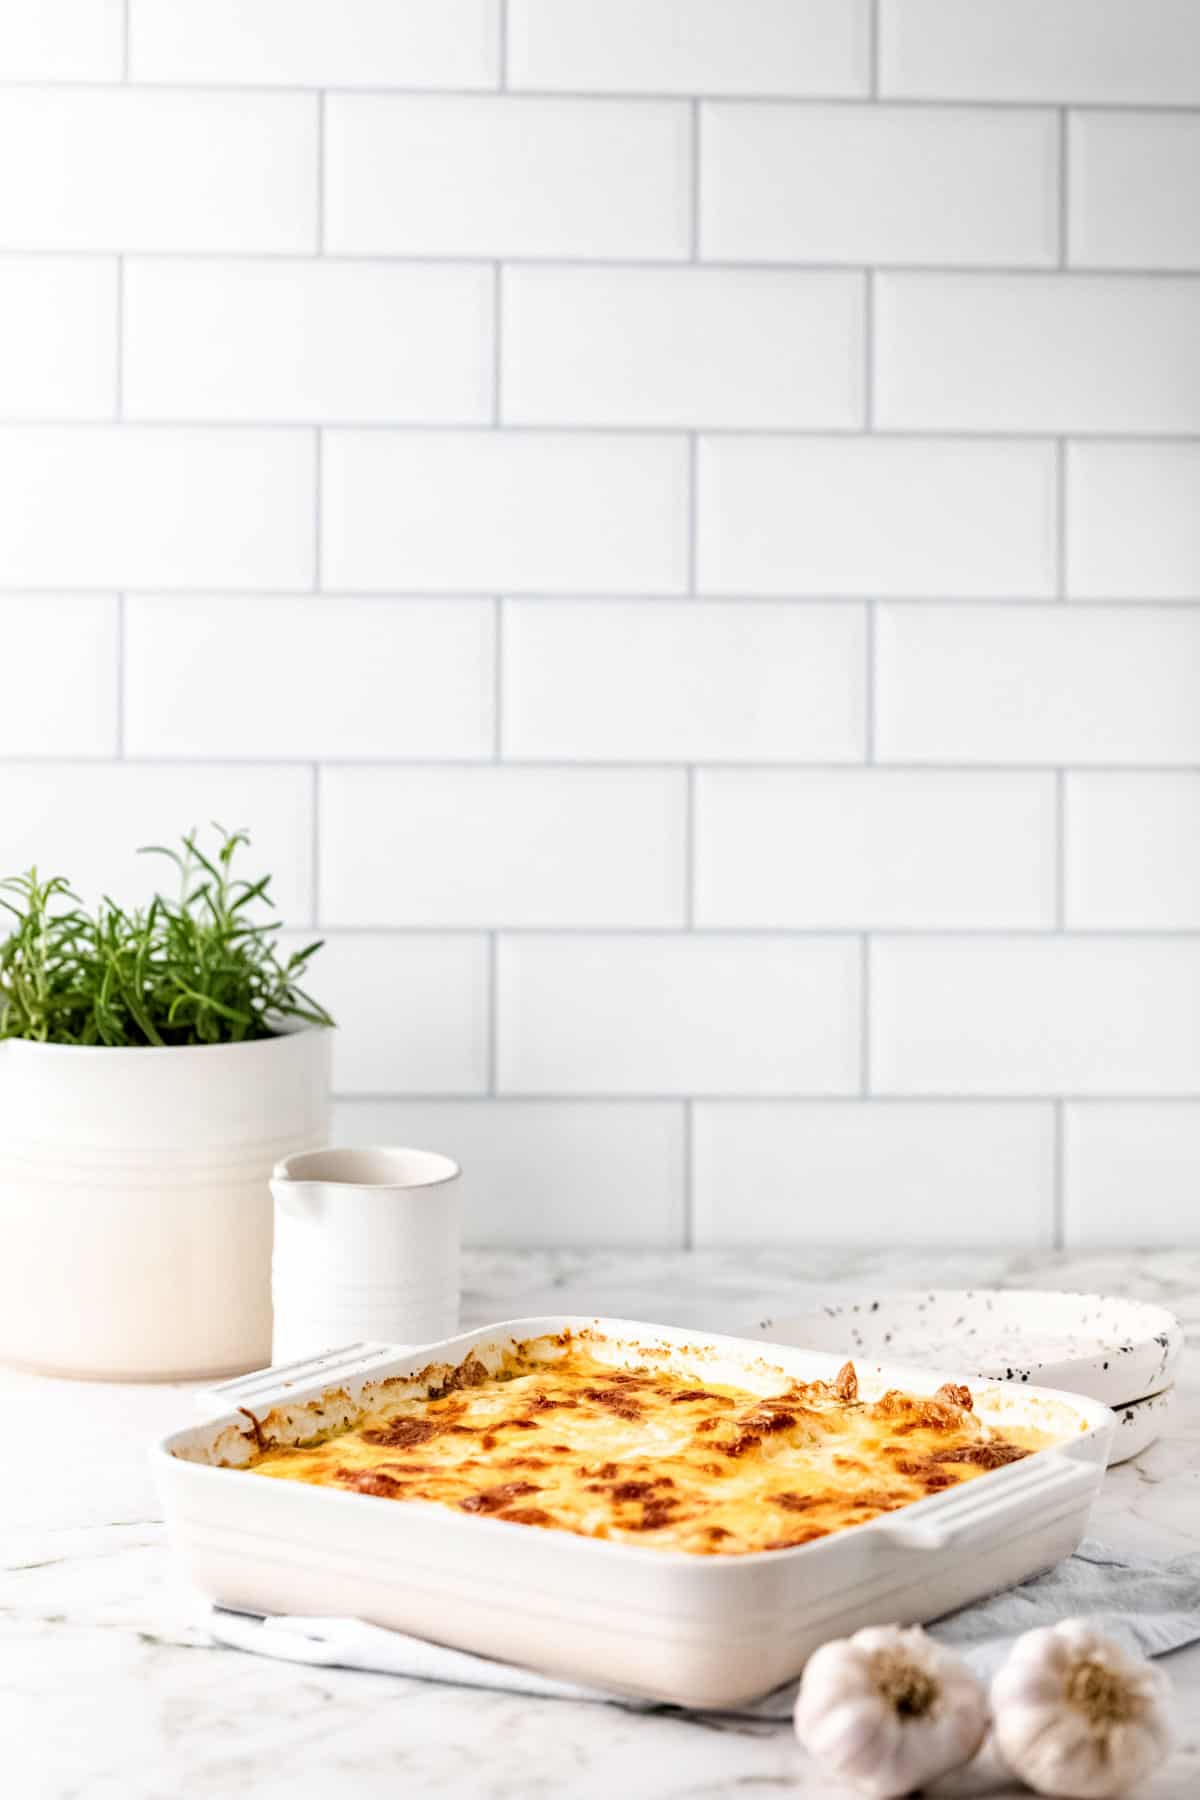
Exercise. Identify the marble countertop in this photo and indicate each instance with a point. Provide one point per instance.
(110, 1692)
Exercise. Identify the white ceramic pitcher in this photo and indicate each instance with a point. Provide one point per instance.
(367, 1245)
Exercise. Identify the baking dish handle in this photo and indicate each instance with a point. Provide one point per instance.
(1051, 1478)
(266, 1387)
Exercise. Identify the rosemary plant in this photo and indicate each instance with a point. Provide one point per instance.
(196, 970)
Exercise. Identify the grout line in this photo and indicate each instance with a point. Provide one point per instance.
(689, 1174)
(1060, 1198)
(321, 173)
(869, 732)
(642, 98)
(739, 1097)
(864, 1015)
(689, 850)
(120, 674)
(1064, 189)
(497, 341)
(868, 350)
(694, 197)
(1061, 521)
(837, 934)
(963, 436)
(873, 48)
(498, 679)
(318, 506)
(1060, 850)
(493, 1038)
(1060, 779)
(119, 365)
(315, 871)
(1046, 271)
(609, 765)
(502, 45)
(125, 23)
(608, 598)
(693, 515)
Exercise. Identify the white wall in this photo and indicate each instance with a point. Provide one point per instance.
(676, 523)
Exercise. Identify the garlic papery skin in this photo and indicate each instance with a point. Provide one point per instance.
(1076, 1716)
(889, 1710)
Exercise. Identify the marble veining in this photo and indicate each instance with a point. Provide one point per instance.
(110, 1691)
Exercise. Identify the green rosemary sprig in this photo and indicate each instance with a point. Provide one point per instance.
(196, 970)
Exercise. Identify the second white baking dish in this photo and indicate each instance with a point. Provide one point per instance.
(700, 1631)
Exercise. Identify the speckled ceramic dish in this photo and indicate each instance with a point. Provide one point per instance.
(1110, 1349)
(1139, 1424)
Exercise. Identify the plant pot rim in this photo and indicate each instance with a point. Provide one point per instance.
(34, 1046)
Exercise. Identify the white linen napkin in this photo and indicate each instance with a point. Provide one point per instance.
(1148, 1604)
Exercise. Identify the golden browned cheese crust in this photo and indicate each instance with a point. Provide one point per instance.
(646, 1455)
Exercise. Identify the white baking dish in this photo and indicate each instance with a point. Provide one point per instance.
(701, 1631)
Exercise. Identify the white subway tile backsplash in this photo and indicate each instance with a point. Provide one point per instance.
(86, 820)
(663, 680)
(307, 340)
(875, 516)
(1133, 525)
(61, 40)
(309, 677)
(546, 1172)
(310, 43)
(1024, 684)
(501, 846)
(1133, 850)
(127, 169)
(411, 1012)
(74, 712)
(1022, 352)
(1111, 50)
(628, 346)
(873, 848)
(104, 506)
(490, 176)
(1094, 1015)
(1132, 1173)
(878, 184)
(487, 511)
(658, 1015)
(904, 1172)
(58, 337)
(690, 46)
(593, 488)
(1135, 190)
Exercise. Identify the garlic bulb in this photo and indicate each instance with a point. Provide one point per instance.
(889, 1710)
(1078, 1717)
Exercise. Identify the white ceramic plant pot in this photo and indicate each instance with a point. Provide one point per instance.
(135, 1210)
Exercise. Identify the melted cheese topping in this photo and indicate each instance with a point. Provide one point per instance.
(652, 1456)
